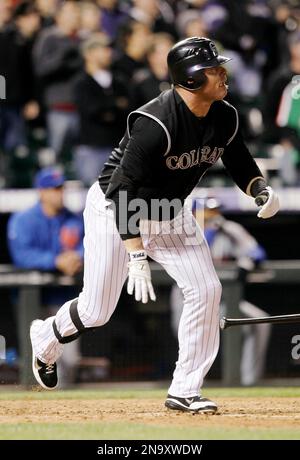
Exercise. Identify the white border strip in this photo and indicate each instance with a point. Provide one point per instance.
(237, 123)
(158, 121)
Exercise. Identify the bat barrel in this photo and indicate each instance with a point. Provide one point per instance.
(280, 319)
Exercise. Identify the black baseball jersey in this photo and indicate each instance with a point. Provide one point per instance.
(167, 149)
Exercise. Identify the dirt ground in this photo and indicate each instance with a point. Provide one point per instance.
(269, 412)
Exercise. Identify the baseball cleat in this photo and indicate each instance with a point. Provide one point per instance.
(45, 374)
(193, 404)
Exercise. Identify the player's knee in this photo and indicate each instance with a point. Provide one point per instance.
(100, 321)
(214, 289)
(95, 319)
(218, 287)
(91, 314)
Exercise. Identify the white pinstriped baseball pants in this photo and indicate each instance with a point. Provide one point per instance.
(186, 260)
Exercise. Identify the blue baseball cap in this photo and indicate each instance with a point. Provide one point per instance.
(49, 178)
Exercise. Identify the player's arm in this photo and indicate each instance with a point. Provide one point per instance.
(246, 174)
(147, 140)
(137, 169)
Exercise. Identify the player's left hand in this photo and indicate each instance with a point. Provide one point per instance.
(268, 202)
(139, 277)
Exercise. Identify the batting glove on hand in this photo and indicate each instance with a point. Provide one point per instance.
(268, 202)
(139, 277)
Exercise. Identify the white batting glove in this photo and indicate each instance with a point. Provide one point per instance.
(139, 277)
(268, 202)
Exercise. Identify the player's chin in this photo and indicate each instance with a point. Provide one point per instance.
(221, 93)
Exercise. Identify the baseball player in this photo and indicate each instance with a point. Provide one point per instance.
(136, 209)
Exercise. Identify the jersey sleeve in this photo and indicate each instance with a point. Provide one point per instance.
(137, 168)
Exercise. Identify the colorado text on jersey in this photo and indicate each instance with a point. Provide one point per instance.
(195, 157)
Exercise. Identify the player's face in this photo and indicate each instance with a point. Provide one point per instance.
(215, 87)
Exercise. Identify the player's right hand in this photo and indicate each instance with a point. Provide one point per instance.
(139, 277)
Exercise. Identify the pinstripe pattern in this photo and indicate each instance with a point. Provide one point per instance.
(105, 271)
(191, 267)
(185, 256)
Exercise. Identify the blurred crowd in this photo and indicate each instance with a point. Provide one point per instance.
(73, 70)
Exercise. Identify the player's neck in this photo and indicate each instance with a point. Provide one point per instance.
(197, 105)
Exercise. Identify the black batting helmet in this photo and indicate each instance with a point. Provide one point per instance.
(188, 58)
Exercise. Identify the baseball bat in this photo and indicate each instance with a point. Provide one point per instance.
(280, 319)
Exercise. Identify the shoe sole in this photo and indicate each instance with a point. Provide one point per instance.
(34, 369)
(203, 410)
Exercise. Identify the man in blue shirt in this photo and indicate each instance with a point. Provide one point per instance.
(49, 237)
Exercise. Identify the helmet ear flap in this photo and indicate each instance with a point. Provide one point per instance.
(194, 82)
(190, 82)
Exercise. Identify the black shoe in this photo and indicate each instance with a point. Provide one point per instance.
(45, 374)
(193, 404)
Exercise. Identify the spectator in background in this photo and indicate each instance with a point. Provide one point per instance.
(276, 85)
(151, 81)
(28, 23)
(281, 113)
(190, 23)
(49, 237)
(5, 12)
(213, 12)
(90, 19)
(47, 10)
(16, 42)
(113, 14)
(227, 241)
(102, 102)
(286, 14)
(156, 14)
(132, 43)
(57, 64)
